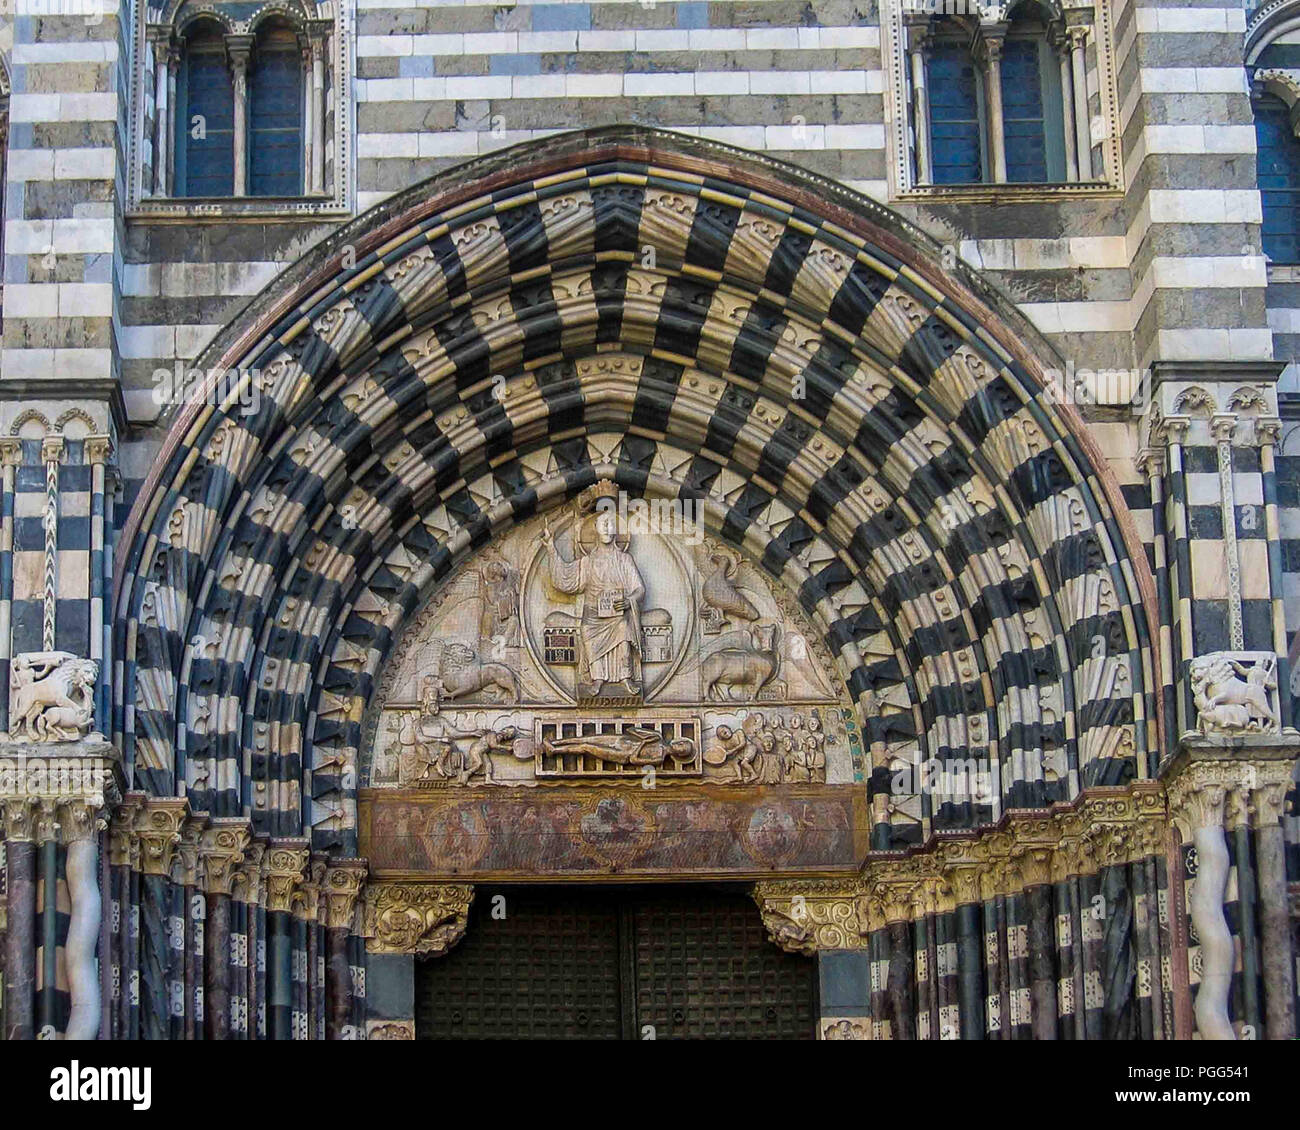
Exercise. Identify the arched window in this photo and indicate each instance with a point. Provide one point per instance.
(205, 116)
(1277, 159)
(275, 114)
(1032, 121)
(956, 110)
(994, 106)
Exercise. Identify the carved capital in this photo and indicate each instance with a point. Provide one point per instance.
(158, 830)
(221, 851)
(340, 889)
(1172, 431)
(81, 820)
(416, 918)
(284, 871)
(1223, 426)
(1268, 431)
(11, 451)
(98, 449)
(52, 449)
(19, 819)
(1151, 461)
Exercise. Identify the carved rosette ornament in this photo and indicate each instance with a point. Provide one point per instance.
(416, 918)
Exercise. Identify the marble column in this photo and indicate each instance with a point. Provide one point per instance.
(221, 851)
(316, 102)
(918, 40)
(80, 824)
(20, 916)
(992, 47)
(1061, 49)
(238, 50)
(1078, 36)
(340, 891)
(1277, 957)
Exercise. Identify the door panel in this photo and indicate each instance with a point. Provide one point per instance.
(548, 970)
(570, 963)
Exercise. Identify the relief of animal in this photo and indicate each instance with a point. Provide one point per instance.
(745, 663)
(462, 673)
(720, 591)
(53, 695)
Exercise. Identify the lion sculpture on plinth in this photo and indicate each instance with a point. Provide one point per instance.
(53, 696)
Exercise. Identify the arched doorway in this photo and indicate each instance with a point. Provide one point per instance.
(899, 534)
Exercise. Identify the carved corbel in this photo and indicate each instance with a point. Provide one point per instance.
(221, 851)
(804, 917)
(283, 872)
(416, 918)
(340, 889)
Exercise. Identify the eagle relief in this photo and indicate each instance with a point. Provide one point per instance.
(609, 640)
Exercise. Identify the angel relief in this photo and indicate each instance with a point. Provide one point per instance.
(590, 643)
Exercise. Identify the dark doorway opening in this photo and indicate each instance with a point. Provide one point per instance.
(555, 962)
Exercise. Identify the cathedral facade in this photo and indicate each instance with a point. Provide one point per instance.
(647, 519)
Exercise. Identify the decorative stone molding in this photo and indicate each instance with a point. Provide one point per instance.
(844, 1028)
(416, 918)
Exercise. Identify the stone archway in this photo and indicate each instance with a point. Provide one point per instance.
(685, 322)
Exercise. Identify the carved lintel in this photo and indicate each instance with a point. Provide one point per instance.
(158, 829)
(416, 918)
(221, 851)
(284, 871)
(340, 889)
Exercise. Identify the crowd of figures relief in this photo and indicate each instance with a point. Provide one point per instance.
(607, 640)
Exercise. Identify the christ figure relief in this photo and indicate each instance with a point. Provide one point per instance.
(610, 589)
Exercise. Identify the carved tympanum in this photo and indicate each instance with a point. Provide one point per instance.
(588, 644)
